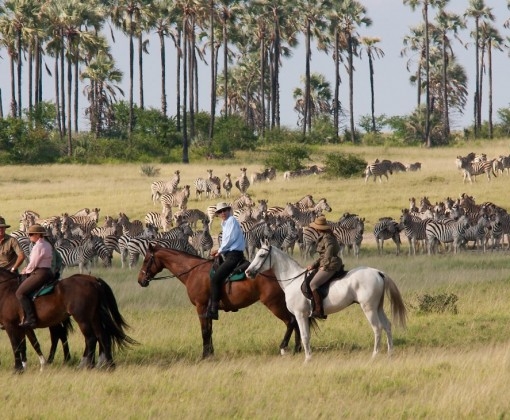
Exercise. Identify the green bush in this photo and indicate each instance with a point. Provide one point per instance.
(287, 157)
(438, 303)
(341, 165)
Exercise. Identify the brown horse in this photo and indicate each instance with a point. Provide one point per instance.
(89, 300)
(193, 272)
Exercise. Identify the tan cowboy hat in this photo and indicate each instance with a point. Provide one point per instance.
(2, 223)
(320, 224)
(37, 229)
(221, 206)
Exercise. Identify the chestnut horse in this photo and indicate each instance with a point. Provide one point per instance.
(89, 300)
(193, 272)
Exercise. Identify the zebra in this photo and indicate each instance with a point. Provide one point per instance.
(131, 228)
(159, 220)
(182, 233)
(477, 233)
(85, 223)
(285, 235)
(159, 188)
(311, 170)
(83, 254)
(471, 169)
(255, 236)
(191, 216)
(227, 185)
(414, 229)
(353, 236)
(387, 228)
(149, 232)
(178, 199)
(267, 174)
(202, 240)
(214, 185)
(242, 183)
(378, 169)
(452, 231)
(413, 167)
(398, 167)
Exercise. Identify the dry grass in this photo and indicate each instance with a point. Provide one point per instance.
(444, 366)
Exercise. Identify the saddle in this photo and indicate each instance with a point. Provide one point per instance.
(44, 290)
(323, 290)
(237, 274)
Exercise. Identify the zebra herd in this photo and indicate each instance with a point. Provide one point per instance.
(474, 164)
(454, 223)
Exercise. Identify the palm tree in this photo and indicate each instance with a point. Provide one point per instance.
(8, 41)
(102, 90)
(490, 39)
(372, 51)
(447, 22)
(478, 11)
(319, 98)
(414, 46)
(353, 15)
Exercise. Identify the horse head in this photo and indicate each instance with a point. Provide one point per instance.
(149, 267)
(258, 263)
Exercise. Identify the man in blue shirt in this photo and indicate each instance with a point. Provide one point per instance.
(231, 249)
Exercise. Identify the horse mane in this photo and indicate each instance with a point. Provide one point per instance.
(157, 247)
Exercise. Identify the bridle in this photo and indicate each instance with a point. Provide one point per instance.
(147, 279)
(268, 255)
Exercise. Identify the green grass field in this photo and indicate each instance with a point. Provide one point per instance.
(445, 365)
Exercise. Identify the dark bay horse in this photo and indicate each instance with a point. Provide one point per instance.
(193, 272)
(89, 300)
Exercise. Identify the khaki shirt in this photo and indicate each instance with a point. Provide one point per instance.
(328, 249)
(9, 251)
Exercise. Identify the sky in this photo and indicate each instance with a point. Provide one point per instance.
(394, 95)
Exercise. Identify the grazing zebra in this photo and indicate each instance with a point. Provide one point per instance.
(414, 229)
(311, 170)
(446, 232)
(413, 167)
(178, 199)
(83, 254)
(242, 183)
(159, 220)
(158, 188)
(267, 174)
(227, 185)
(191, 216)
(202, 240)
(378, 169)
(398, 167)
(471, 169)
(387, 228)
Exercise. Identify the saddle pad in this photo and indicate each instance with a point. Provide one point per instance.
(45, 290)
(232, 277)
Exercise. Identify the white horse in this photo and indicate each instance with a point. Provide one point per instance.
(363, 285)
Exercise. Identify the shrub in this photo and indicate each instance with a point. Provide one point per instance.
(438, 303)
(344, 165)
(287, 157)
(149, 170)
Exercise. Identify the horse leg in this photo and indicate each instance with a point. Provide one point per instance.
(18, 345)
(386, 324)
(59, 333)
(375, 322)
(30, 334)
(88, 358)
(207, 330)
(304, 328)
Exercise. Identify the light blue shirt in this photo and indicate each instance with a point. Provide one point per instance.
(232, 237)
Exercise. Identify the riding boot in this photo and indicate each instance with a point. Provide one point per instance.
(212, 309)
(318, 309)
(29, 320)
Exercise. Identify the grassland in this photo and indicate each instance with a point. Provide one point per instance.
(445, 365)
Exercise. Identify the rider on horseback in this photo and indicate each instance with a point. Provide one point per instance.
(232, 248)
(38, 272)
(328, 262)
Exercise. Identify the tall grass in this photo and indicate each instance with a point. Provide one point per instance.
(445, 365)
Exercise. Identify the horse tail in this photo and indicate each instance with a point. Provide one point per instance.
(398, 308)
(111, 319)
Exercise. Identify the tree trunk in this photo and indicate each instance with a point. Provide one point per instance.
(372, 95)
(14, 105)
(307, 120)
(20, 64)
(163, 73)
(185, 158)
(446, 116)
(427, 75)
(76, 95)
(140, 68)
(178, 80)
(351, 88)
(57, 98)
(336, 104)
(213, 73)
(69, 105)
(489, 59)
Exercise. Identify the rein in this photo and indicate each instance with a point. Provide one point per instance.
(279, 280)
(171, 276)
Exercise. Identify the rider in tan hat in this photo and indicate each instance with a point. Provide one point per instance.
(328, 262)
(38, 271)
(11, 254)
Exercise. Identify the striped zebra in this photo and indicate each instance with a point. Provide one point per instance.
(470, 170)
(398, 167)
(285, 235)
(85, 223)
(130, 227)
(214, 185)
(378, 169)
(158, 220)
(191, 216)
(202, 240)
(387, 228)
(413, 167)
(180, 233)
(350, 237)
(178, 199)
(414, 229)
(305, 203)
(83, 254)
(158, 188)
(123, 242)
(477, 233)
(242, 183)
(255, 236)
(139, 246)
(227, 185)
(311, 170)
(446, 232)
(267, 175)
